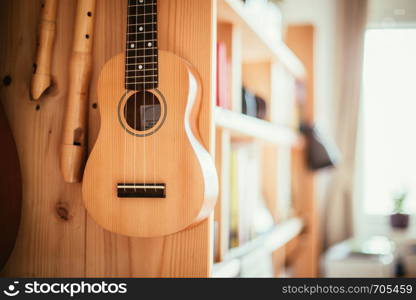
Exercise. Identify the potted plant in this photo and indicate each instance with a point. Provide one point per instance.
(399, 219)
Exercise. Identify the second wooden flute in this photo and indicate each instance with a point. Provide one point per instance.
(75, 126)
(41, 79)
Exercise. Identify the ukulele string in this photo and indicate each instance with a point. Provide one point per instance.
(126, 61)
(154, 20)
(135, 95)
(143, 110)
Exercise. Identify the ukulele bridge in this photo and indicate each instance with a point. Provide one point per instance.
(141, 190)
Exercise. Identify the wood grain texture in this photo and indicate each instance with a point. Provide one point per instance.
(56, 237)
(47, 28)
(51, 239)
(74, 135)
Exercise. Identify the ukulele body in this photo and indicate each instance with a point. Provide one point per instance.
(158, 179)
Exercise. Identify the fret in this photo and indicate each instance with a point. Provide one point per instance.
(139, 15)
(142, 51)
(142, 24)
(147, 9)
(141, 76)
(141, 70)
(137, 56)
(147, 32)
(142, 5)
(149, 18)
(141, 30)
(143, 63)
(147, 40)
(141, 86)
(141, 59)
(141, 2)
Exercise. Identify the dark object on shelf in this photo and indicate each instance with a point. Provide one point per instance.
(320, 154)
(249, 103)
(399, 221)
(10, 190)
(253, 105)
(261, 108)
(400, 269)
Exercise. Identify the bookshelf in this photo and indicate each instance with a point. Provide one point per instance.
(256, 47)
(270, 70)
(277, 237)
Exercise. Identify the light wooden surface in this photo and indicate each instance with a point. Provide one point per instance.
(300, 39)
(172, 155)
(269, 187)
(46, 37)
(56, 237)
(75, 127)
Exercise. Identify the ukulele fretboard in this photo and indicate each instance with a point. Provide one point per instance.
(141, 45)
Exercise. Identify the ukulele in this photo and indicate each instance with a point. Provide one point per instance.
(148, 174)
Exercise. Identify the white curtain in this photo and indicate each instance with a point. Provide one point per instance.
(338, 215)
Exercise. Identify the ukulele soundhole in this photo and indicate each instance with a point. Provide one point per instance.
(142, 111)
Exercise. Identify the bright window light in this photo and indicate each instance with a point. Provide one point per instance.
(388, 126)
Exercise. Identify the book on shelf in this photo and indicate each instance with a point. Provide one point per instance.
(234, 230)
(253, 105)
(248, 214)
(223, 75)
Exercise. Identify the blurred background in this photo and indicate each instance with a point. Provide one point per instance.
(315, 148)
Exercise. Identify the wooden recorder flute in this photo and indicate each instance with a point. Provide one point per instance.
(75, 126)
(41, 79)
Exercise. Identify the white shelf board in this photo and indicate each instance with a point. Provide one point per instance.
(279, 236)
(276, 238)
(247, 126)
(256, 47)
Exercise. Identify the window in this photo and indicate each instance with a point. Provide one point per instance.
(387, 148)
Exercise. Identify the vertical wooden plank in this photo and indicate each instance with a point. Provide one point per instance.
(270, 179)
(300, 39)
(278, 259)
(51, 240)
(186, 28)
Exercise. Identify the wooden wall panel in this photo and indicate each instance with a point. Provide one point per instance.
(51, 240)
(57, 238)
